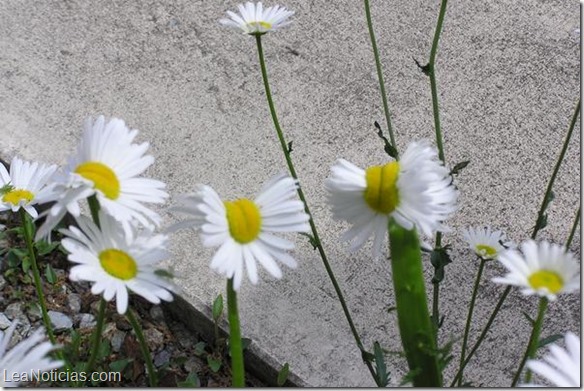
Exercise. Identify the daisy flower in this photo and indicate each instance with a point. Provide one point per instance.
(29, 356)
(416, 191)
(116, 260)
(107, 164)
(253, 19)
(243, 228)
(562, 366)
(486, 244)
(545, 269)
(25, 185)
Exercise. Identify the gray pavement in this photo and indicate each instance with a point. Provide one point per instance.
(508, 75)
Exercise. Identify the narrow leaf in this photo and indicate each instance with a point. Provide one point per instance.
(217, 307)
(549, 339)
(50, 275)
(283, 375)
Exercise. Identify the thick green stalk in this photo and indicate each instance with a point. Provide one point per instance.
(379, 74)
(143, 347)
(28, 238)
(469, 316)
(415, 327)
(430, 71)
(235, 345)
(533, 342)
(317, 242)
(544, 204)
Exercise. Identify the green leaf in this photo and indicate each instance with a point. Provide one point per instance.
(43, 247)
(164, 273)
(439, 258)
(458, 167)
(104, 349)
(7, 188)
(283, 375)
(367, 356)
(50, 275)
(311, 239)
(391, 309)
(410, 376)
(200, 348)
(217, 307)
(192, 381)
(13, 259)
(290, 147)
(388, 148)
(529, 319)
(549, 339)
(245, 342)
(214, 364)
(380, 368)
(26, 264)
(120, 365)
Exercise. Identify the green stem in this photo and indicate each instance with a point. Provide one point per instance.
(415, 327)
(96, 335)
(379, 74)
(573, 231)
(546, 198)
(483, 334)
(94, 209)
(27, 225)
(430, 71)
(315, 235)
(536, 230)
(235, 345)
(143, 347)
(533, 342)
(469, 317)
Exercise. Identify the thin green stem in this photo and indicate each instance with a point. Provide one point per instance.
(143, 347)
(533, 342)
(235, 345)
(96, 336)
(315, 235)
(547, 196)
(379, 74)
(430, 71)
(469, 317)
(483, 334)
(536, 229)
(27, 225)
(573, 230)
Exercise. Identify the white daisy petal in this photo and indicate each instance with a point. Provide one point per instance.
(244, 229)
(545, 269)
(116, 260)
(255, 19)
(416, 192)
(561, 367)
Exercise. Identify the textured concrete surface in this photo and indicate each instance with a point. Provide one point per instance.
(508, 74)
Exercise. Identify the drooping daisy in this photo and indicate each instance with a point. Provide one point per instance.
(28, 356)
(25, 185)
(562, 366)
(253, 19)
(107, 164)
(243, 228)
(545, 269)
(117, 260)
(486, 244)
(416, 191)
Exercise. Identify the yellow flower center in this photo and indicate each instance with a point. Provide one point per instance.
(244, 219)
(548, 279)
(486, 251)
(261, 23)
(102, 176)
(381, 193)
(118, 264)
(15, 196)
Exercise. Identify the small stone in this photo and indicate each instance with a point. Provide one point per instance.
(2, 282)
(117, 340)
(161, 358)
(14, 311)
(86, 321)
(154, 338)
(185, 339)
(74, 302)
(194, 364)
(156, 313)
(34, 312)
(123, 325)
(60, 321)
(4, 321)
